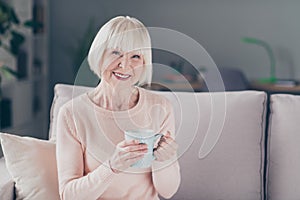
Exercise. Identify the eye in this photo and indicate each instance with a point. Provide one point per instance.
(136, 56)
(118, 53)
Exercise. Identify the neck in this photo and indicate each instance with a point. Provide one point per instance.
(114, 98)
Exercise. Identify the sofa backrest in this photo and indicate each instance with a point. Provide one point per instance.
(62, 94)
(283, 171)
(221, 140)
(234, 167)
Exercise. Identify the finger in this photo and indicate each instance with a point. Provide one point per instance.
(138, 148)
(161, 140)
(169, 144)
(172, 143)
(168, 140)
(165, 137)
(131, 161)
(168, 134)
(167, 149)
(124, 153)
(133, 156)
(128, 160)
(129, 155)
(126, 143)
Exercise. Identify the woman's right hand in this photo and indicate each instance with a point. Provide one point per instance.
(126, 154)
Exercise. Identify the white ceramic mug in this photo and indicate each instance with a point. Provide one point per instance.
(148, 137)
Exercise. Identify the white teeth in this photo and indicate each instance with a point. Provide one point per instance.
(121, 75)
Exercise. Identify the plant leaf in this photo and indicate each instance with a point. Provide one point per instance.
(16, 41)
(9, 11)
(8, 72)
(13, 16)
(33, 24)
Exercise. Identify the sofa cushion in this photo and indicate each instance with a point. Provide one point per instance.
(32, 165)
(6, 182)
(233, 168)
(283, 177)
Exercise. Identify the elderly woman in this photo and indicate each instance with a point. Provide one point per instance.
(94, 160)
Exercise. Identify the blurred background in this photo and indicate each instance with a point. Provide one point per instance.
(255, 44)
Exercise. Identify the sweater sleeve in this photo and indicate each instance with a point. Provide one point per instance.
(73, 184)
(166, 175)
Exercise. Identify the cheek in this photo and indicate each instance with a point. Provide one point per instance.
(139, 69)
(105, 68)
(137, 64)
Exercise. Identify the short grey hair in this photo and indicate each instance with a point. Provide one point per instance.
(124, 33)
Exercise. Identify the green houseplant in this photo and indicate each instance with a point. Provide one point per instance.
(11, 40)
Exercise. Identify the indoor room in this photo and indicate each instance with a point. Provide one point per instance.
(209, 89)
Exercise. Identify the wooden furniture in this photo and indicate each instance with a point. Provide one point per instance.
(274, 88)
(176, 86)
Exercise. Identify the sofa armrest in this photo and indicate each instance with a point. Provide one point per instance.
(6, 182)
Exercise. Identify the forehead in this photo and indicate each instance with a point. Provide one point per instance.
(135, 51)
(128, 41)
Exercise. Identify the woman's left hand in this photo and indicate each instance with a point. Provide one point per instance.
(166, 148)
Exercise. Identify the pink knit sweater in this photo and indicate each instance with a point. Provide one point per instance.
(86, 138)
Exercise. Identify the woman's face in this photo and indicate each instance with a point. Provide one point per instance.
(121, 68)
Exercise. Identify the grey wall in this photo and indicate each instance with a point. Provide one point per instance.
(217, 25)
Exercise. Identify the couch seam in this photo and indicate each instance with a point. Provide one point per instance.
(262, 147)
(268, 145)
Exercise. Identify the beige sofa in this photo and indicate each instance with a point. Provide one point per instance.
(222, 147)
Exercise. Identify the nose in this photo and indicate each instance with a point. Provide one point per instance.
(124, 61)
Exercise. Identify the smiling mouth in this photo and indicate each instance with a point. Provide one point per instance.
(121, 76)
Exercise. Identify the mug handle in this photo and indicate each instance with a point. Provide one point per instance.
(157, 136)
